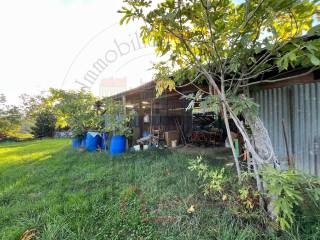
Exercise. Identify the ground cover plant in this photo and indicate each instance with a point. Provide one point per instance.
(65, 194)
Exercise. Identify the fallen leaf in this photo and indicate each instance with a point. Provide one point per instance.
(190, 209)
(28, 235)
(224, 198)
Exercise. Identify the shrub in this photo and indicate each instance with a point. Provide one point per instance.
(118, 118)
(44, 124)
(215, 180)
(10, 119)
(290, 192)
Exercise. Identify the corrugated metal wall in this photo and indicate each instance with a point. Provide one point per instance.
(306, 125)
(296, 111)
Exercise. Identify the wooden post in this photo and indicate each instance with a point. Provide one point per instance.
(140, 119)
(151, 105)
(124, 103)
(236, 146)
(285, 135)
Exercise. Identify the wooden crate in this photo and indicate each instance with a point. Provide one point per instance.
(169, 136)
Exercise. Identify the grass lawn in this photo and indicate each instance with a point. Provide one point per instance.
(64, 194)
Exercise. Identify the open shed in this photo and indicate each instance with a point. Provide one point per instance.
(164, 113)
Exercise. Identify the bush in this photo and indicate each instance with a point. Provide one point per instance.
(44, 125)
(293, 196)
(10, 119)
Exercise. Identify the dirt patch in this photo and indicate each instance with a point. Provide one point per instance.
(218, 153)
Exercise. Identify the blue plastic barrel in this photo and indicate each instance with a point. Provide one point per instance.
(104, 141)
(83, 143)
(145, 133)
(92, 141)
(76, 142)
(117, 145)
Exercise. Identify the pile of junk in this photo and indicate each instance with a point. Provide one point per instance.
(208, 130)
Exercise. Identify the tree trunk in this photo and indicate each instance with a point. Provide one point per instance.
(261, 150)
(226, 122)
(262, 141)
(264, 148)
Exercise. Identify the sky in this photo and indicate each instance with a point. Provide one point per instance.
(55, 43)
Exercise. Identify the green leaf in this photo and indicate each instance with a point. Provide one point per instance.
(311, 48)
(314, 60)
(285, 63)
(292, 56)
(314, 30)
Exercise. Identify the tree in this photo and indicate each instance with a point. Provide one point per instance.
(2, 99)
(118, 118)
(10, 118)
(231, 47)
(44, 125)
(78, 109)
(32, 105)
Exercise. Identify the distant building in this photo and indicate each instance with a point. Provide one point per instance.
(112, 86)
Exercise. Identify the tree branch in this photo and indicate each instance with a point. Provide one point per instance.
(281, 79)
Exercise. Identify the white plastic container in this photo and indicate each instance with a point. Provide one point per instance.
(174, 143)
(145, 147)
(136, 148)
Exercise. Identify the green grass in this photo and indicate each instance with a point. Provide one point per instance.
(65, 194)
